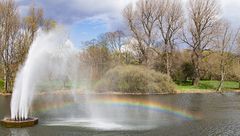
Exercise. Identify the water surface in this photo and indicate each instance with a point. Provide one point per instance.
(154, 115)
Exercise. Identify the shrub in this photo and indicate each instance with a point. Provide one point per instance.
(135, 79)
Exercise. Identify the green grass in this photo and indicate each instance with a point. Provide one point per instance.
(58, 85)
(204, 85)
(1, 85)
(207, 85)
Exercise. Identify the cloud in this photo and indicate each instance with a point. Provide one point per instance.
(109, 12)
(73, 11)
(231, 10)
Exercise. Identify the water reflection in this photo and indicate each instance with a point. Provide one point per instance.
(18, 132)
(133, 115)
(116, 112)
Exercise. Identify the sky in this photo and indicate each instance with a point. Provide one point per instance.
(87, 19)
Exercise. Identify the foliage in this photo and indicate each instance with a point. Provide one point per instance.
(135, 79)
(187, 70)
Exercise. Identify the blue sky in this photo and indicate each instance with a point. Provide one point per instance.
(87, 19)
(85, 31)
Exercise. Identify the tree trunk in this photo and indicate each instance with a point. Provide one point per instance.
(196, 77)
(221, 83)
(7, 80)
(222, 67)
(195, 81)
(167, 64)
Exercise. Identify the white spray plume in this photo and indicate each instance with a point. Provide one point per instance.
(51, 53)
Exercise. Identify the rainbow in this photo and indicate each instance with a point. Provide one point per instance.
(125, 102)
(148, 105)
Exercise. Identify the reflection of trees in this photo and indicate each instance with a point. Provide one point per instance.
(189, 102)
(195, 103)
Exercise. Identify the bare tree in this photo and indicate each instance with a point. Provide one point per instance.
(142, 23)
(236, 67)
(170, 21)
(33, 21)
(201, 31)
(115, 40)
(16, 37)
(9, 31)
(224, 43)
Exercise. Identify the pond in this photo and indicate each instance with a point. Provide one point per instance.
(134, 115)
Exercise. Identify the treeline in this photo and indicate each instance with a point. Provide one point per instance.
(186, 42)
(16, 35)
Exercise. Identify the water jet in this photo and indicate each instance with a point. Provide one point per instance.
(48, 60)
(13, 123)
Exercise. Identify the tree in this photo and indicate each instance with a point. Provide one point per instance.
(16, 36)
(9, 32)
(170, 21)
(236, 67)
(31, 24)
(155, 25)
(97, 57)
(115, 42)
(33, 21)
(224, 44)
(142, 23)
(201, 31)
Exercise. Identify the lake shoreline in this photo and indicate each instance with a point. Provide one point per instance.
(204, 91)
(62, 92)
(5, 94)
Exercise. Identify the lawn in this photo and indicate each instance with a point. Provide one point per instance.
(58, 85)
(206, 85)
(1, 85)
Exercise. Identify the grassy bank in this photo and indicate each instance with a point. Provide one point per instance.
(206, 86)
(1, 86)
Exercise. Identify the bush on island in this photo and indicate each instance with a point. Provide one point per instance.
(135, 79)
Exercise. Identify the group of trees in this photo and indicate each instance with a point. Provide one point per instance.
(189, 43)
(16, 35)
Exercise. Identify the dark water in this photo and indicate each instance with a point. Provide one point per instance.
(211, 114)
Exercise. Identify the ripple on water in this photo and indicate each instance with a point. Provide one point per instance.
(98, 124)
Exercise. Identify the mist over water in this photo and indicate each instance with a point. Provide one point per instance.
(52, 57)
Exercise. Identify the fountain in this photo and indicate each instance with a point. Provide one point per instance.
(51, 53)
(9, 123)
(52, 57)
